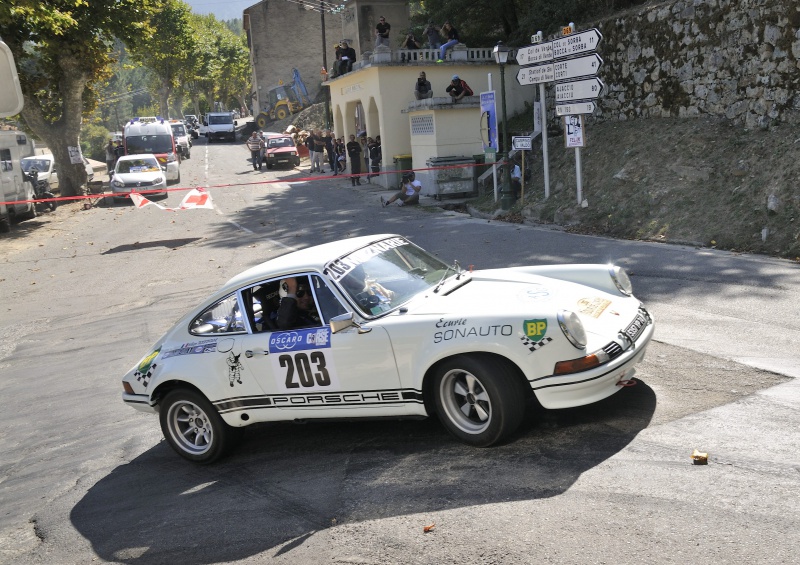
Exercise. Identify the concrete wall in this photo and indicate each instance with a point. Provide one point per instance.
(360, 18)
(734, 59)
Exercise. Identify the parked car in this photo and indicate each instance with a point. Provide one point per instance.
(46, 165)
(138, 173)
(281, 150)
(391, 331)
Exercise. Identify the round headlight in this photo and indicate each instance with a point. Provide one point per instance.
(572, 327)
(621, 279)
(118, 183)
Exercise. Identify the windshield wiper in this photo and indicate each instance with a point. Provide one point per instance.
(456, 268)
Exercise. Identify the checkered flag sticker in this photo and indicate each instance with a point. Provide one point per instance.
(534, 345)
(144, 378)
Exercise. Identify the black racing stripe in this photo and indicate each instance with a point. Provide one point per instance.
(571, 382)
(237, 398)
(315, 405)
(242, 403)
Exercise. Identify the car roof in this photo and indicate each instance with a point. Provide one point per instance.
(137, 156)
(45, 156)
(308, 259)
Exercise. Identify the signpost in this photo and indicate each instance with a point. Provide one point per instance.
(577, 43)
(539, 53)
(575, 68)
(536, 74)
(575, 108)
(521, 142)
(586, 89)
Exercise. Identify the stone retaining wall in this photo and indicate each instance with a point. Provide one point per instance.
(738, 60)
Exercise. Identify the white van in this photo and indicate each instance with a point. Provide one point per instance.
(14, 146)
(220, 125)
(183, 142)
(146, 135)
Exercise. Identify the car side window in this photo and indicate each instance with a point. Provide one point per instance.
(329, 305)
(222, 317)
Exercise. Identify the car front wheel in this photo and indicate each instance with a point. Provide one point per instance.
(479, 400)
(193, 428)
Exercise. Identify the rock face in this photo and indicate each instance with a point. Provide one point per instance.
(733, 59)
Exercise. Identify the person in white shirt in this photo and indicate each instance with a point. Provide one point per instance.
(408, 193)
(516, 179)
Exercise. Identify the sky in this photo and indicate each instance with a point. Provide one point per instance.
(222, 9)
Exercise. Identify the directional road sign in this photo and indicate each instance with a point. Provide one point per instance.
(575, 109)
(536, 74)
(521, 142)
(574, 68)
(539, 53)
(583, 42)
(586, 89)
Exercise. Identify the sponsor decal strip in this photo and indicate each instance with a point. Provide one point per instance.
(340, 267)
(316, 400)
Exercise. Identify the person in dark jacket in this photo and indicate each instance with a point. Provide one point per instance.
(297, 309)
(346, 56)
(327, 136)
(375, 157)
(354, 154)
(423, 89)
(451, 34)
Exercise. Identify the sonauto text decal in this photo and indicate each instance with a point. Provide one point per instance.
(457, 329)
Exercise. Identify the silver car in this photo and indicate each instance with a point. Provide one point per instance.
(138, 173)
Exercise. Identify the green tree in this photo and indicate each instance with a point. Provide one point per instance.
(63, 50)
(169, 50)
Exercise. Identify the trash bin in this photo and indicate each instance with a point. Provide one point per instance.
(450, 179)
(401, 163)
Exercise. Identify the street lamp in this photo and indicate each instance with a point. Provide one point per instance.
(507, 197)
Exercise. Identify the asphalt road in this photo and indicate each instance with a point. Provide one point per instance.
(85, 479)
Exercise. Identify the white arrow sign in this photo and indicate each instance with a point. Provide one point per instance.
(577, 43)
(587, 89)
(575, 109)
(535, 75)
(521, 142)
(574, 68)
(538, 53)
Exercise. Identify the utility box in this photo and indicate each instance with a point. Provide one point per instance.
(456, 177)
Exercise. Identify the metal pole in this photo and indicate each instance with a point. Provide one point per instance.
(507, 199)
(578, 174)
(545, 159)
(494, 165)
(325, 66)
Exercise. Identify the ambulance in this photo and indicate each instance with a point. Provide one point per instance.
(147, 134)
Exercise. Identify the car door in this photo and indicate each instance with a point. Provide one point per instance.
(315, 373)
(52, 176)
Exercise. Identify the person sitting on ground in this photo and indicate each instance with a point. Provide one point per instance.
(458, 89)
(408, 194)
(423, 87)
(452, 39)
(297, 309)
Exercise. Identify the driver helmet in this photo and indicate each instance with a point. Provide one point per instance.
(302, 289)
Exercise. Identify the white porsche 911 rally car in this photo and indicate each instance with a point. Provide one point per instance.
(386, 329)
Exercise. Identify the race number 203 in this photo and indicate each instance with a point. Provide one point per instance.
(302, 360)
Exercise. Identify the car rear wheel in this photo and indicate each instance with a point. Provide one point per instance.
(480, 400)
(193, 428)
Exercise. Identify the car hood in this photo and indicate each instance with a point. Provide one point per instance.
(501, 293)
(138, 177)
(282, 149)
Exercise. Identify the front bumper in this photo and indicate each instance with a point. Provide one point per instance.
(139, 402)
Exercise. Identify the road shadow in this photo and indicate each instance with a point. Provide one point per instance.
(286, 481)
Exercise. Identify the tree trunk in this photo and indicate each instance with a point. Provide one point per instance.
(243, 103)
(178, 106)
(163, 101)
(64, 132)
(196, 102)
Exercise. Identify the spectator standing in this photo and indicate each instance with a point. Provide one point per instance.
(365, 143)
(119, 150)
(263, 146)
(255, 144)
(451, 34)
(354, 153)
(341, 155)
(319, 151)
(111, 157)
(423, 88)
(433, 35)
(329, 149)
(375, 157)
(310, 146)
(382, 32)
(346, 57)
(408, 193)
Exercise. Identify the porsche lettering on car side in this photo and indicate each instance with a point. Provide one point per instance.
(377, 327)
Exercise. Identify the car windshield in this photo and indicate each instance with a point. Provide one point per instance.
(39, 164)
(280, 142)
(138, 166)
(386, 274)
(160, 143)
(215, 120)
(178, 130)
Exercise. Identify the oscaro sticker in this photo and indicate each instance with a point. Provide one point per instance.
(302, 360)
(534, 329)
(534, 293)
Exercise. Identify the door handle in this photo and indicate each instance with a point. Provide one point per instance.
(249, 353)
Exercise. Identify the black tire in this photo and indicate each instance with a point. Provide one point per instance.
(5, 225)
(269, 165)
(479, 399)
(194, 428)
(51, 206)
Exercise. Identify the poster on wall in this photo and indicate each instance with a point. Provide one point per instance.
(573, 131)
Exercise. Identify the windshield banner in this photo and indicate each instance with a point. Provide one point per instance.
(340, 267)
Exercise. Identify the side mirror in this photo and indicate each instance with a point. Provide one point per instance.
(234, 123)
(344, 321)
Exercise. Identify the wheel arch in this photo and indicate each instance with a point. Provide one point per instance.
(164, 388)
(428, 378)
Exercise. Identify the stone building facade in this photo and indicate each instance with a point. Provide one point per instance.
(733, 59)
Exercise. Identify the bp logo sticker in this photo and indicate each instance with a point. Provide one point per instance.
(534, 329)
(144, 366)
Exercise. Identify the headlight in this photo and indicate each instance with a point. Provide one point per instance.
(118, 183)
(572, 327)
(621, 279)
(292, 153)
(158, 180)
